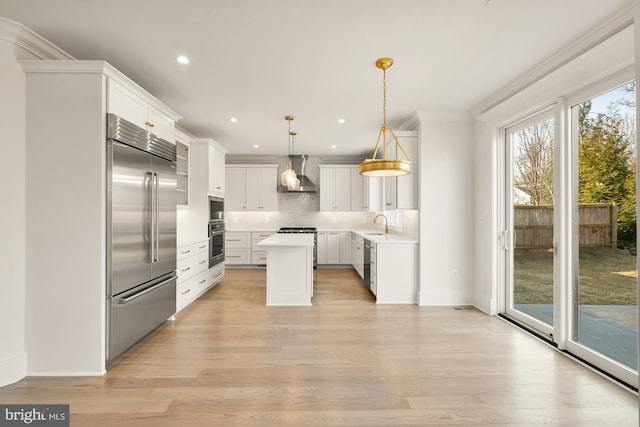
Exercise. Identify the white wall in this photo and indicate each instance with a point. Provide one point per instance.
(446, 201)
(16, 42)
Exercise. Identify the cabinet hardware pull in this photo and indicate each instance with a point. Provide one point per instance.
(333, 232)
(186, 252)
(149, 124)
(233, 256)
(218, 188)
(202, 247)
(186, 292)
(186, 269)
(217, 275)
(233, 240)
(203, 261)
(202, 281)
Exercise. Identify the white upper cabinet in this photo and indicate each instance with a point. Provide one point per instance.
(126, 103)
(359, 190)
(335, 188)
(216, 175)
(251, 188)
(235, 198)
(399, 192)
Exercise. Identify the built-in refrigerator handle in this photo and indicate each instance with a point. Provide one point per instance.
(150, 189)
(157, 217)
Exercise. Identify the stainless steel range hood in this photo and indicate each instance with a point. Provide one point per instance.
(298, 163)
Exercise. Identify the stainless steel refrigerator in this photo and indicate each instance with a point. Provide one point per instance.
(141, 233)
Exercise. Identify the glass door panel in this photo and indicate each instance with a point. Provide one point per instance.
(528, 235)
(605, 310)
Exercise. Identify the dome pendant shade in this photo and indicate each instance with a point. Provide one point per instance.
(288, 178)
(385, 167)
(288, 175)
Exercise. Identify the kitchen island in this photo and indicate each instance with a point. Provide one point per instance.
(289, 268)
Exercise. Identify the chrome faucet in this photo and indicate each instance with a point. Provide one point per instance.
(386, 222)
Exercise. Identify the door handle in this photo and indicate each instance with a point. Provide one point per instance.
(151, 247)
(157, 208)
(144, 292)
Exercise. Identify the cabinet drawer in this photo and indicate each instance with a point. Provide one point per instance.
(258, 237)
(216, 274)
(259, 257)
(237, 256)
(188, 267)
(192, 249)
(235, 239)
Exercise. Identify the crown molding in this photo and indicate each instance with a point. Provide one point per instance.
(618, 22)
(27, 40)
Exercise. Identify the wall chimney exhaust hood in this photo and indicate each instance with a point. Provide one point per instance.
(298, 164)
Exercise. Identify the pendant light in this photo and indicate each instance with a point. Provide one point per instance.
(289, 175)
(293, 184)
(384, 166)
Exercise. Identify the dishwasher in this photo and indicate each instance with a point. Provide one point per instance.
(367, 263)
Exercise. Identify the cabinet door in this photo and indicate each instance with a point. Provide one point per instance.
(124, 103)
(343, 189)
(327, 189)
(268, 188)
(406, 196)
(333, 247)
(322, 247)
(253, 189)
(159, 123)
(345, 247)
(390, 183)
(235, 195)
(359, 190)
(216, 172)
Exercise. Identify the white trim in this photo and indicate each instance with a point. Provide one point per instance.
(21, 36)
(13, 370)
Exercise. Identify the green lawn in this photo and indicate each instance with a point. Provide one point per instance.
(598, 285)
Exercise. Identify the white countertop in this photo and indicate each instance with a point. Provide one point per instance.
(288, 239)
(380, 238)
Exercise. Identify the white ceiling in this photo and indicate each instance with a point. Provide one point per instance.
(259, 60)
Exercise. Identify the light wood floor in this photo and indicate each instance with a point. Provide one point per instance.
(227, 360)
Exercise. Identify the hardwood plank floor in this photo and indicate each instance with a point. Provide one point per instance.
(227, 360)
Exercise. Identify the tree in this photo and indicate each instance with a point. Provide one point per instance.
(533, 162)
(607, 164)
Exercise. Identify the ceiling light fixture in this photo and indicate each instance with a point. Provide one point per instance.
(233, 120)
(182, 59)
(289, 178)
(341, 121)
(384, 166)
(256, 146)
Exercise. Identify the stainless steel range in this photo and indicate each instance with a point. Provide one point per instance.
(305, 230)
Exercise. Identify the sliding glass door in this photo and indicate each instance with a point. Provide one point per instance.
(568, 235)
(604, 311)
(529, 222)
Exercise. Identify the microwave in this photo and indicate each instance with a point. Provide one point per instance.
(216, 209)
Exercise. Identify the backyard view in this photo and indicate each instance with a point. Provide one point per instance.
(605, 246)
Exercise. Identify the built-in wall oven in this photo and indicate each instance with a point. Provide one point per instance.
(216, 230)
(216, 243)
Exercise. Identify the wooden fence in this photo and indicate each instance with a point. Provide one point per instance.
(534, 226)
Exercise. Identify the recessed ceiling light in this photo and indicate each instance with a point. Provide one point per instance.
(182, 59)
(233, 119)
(333, 146)
(341, 121)
(256, 146)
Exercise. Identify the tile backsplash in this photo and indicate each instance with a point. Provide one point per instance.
(303, 210)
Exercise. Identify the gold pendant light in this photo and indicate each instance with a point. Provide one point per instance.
(288, 177)
(293, 183)
(384, 166)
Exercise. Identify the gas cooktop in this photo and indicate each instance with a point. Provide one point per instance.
(297, 230)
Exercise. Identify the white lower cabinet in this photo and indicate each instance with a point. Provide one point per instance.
(357, 254)
(393, 273)
(241, 247)
(194, 275)
(258, 254)
(237, 248)
(334, 248)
